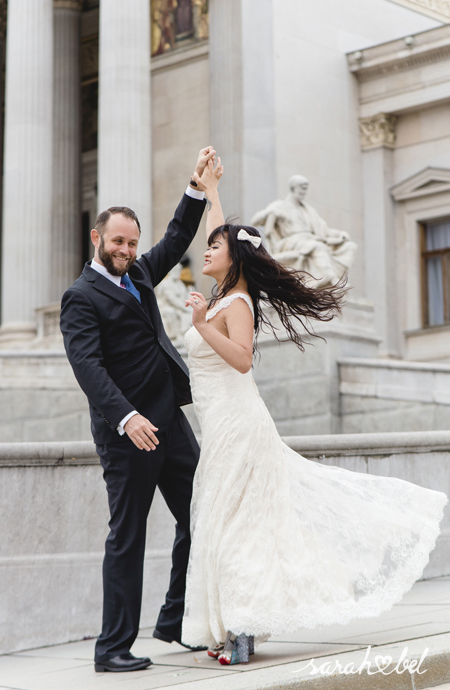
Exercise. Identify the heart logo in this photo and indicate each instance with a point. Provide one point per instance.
(383, 662)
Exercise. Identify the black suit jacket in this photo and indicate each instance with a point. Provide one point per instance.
(118, 349)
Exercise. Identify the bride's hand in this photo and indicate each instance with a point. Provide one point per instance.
(209, 181)
(199, 307)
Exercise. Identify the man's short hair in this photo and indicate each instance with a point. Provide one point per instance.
(104, 216)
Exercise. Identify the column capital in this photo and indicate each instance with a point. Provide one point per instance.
(377, 130)
(68, 5)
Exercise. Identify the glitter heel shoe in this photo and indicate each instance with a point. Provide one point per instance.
(237, 649)
(243, 648)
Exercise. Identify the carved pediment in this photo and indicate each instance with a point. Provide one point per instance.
(427, 181)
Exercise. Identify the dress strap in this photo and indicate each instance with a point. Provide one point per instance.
(226, 301)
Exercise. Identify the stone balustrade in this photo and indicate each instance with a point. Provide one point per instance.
(54, 522)
(386, 395)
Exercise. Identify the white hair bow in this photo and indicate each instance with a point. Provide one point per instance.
(243, 235)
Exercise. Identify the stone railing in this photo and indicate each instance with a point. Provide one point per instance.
(54, 519)
(385, 395)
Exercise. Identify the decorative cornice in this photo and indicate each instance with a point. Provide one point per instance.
(438, 9)
(402, 64)
(378, 130)
(68, 5)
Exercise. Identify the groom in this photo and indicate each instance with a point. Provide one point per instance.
(135, 382)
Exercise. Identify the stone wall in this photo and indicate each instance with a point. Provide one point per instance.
(54, 517)
(391, 395)
(40, 398)
(53, 512)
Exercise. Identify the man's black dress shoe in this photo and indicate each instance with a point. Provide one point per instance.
(123, 662)
(167, 638)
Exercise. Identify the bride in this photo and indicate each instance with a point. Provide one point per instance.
(279, 542)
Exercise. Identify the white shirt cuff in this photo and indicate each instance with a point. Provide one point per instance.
(195, 193)
(121, 425)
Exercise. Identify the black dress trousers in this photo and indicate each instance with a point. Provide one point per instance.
(132, 476)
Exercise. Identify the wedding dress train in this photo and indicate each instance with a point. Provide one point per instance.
(280, 542)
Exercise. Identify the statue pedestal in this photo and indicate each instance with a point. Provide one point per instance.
(301, 389)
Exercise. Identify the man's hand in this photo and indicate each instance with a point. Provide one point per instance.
(204, 156)
(141, 432)
(209, 181)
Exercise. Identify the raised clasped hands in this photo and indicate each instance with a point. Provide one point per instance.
(205, 156)
(208, 181)
(199, 307)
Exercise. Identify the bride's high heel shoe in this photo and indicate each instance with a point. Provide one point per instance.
(237, 649)
(214, 652)
(229, 654)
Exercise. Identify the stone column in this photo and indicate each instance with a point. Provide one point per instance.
(242, 102)
(124, 135)
(377, 143)
(27, 186)
(66, 230)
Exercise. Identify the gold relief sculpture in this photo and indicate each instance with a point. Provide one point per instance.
(163, 25)
(200, 19)
(176, 20)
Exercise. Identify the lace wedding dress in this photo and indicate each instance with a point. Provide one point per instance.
(280, 542)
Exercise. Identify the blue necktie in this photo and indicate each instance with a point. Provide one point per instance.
(130, 287)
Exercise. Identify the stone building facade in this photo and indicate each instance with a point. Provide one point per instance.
(108, 102)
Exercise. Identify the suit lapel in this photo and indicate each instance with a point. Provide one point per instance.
(148, 294)
(107, 287)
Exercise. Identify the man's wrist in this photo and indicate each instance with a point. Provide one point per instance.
(121, 425)
(195, 193)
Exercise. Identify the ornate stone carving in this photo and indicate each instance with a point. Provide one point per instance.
(299, 237)
(378, 130)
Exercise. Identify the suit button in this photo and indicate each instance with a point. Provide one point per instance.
(166, 370)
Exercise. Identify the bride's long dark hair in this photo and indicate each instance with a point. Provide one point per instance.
(272, 284)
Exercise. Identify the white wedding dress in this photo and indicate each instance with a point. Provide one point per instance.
(280, 542)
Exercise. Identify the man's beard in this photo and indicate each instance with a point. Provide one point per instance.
(108, 263)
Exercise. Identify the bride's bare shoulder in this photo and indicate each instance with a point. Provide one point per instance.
(239, 304)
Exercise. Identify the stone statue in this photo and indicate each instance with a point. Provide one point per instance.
(200, 19)
(299, 237)
(171, 294)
